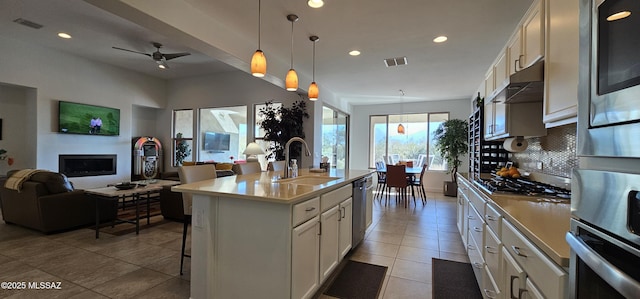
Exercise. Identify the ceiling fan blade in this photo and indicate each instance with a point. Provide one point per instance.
(131, 51)
(175, 55)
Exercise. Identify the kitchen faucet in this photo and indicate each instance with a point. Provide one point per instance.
(286, 153)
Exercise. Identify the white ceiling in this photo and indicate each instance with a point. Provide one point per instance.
(477, 30)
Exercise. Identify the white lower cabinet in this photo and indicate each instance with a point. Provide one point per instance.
(346, 224)
(551, 280)
(329, 241)
(531, 291)
(505, 262)
(305, 260)
(513, 276)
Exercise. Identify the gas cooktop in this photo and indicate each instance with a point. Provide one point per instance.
(522, 186)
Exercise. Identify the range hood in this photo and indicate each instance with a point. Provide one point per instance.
(525, 86)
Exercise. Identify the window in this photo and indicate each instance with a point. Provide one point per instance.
(334, 137)
(223, 134)
(414, 145)
(182, 136)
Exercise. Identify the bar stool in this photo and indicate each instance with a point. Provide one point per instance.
(190, 174)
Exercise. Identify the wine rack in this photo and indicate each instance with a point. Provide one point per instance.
(484, 155)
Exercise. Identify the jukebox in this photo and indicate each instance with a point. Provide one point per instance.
(147, 158)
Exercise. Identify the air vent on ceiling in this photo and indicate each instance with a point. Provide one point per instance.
(28, 23)
(395, 61)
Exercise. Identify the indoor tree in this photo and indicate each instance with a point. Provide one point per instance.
(451, 142)
(281, 124)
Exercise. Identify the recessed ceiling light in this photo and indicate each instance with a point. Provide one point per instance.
(354, 53)
(440, 39)
(162, 66)
(618, 16)
(64, 35)
(315, 3)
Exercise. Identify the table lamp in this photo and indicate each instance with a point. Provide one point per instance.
(252, 150)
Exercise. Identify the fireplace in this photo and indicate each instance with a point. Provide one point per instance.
(87, 165)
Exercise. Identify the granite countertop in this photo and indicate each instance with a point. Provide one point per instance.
(264, 186)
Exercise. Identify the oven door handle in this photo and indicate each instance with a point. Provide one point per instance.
(615, 277)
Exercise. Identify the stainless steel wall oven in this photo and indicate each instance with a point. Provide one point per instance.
(605, 197)
(605, 235)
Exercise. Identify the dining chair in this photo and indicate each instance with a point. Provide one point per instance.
(249, 167)
(419, 183)
(276, 166)
(382, 179)
(397, 178)
(190, 174)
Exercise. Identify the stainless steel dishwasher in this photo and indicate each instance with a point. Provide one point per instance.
(360, 189)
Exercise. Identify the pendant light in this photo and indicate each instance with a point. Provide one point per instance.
(291, 81)
(259, 61)
(313, 88)
(400, 126)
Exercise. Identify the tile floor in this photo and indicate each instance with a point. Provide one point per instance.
(146, 265)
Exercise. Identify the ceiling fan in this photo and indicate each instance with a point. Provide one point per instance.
(157, 56)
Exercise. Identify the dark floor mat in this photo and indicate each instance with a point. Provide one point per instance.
(357, 280)
(454, 280)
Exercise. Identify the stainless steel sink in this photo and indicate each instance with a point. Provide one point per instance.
(308, 180)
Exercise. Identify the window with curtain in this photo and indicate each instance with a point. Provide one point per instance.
(222, 134)
(182, 136)
(415, 144)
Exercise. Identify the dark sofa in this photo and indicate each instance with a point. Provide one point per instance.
(48, 203)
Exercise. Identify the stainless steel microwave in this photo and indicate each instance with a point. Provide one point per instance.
(609, 80)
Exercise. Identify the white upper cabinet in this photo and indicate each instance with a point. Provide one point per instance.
(561, 63)
(514, 52)
(500, 69)
(533, 35)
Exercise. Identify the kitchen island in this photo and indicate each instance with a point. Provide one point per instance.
(258, 236)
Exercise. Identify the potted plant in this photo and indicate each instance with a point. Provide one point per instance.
(451, 142)
(281, 124)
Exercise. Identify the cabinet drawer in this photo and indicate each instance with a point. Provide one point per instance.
(549, 277)
(477, 200)
(493, 220)
(475, 257)
(332, 198)
(492, 252)
(489, 287)
(476, 226)
(306, 210)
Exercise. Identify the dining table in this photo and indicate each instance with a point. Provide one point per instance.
(411, 172)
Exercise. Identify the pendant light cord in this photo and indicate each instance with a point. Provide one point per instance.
(259, 21)
(292, 43)
(314, 62)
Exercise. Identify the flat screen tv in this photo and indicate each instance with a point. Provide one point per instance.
(76, 118)
(216, 142)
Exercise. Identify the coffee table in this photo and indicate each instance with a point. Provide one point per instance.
(144, 190)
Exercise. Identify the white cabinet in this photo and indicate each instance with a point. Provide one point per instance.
(305, 259)
(489, 83)
(561, 63)
(369, 210)
(514, 52)
(550, 279)
(335, 229)
(346, 216)
(500, 71)
(513, 276)
(329, 240)
(533, 34)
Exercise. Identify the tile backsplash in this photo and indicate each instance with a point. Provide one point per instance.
(556, 151)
